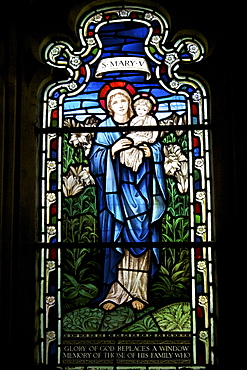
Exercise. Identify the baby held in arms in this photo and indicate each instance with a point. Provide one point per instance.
(133, 156)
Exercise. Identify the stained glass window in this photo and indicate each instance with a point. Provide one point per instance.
(106, 303)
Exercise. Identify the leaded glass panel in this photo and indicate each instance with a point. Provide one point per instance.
(107, 185)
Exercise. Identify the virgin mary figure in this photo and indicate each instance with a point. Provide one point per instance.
(130, 207)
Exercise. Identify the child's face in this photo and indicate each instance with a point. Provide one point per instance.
(141, 110)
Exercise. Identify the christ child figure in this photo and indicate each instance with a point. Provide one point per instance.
(133, 156)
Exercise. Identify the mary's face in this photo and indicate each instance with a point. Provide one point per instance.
(120, 105)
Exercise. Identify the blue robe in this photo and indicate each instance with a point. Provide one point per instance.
(130, 204)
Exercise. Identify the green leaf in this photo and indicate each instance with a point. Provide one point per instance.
(91, 287)
(73, 293)
(72, 280)
(84, 293)
(164, 271)
(170, 226)
(70, 263)
(78, 261)
(168, 238)
(177, 266)
(179, 286)
(177, 221)
(175, 276)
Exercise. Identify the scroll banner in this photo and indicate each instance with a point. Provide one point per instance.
(121, 64)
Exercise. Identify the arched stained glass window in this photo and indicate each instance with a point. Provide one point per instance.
(125, 159)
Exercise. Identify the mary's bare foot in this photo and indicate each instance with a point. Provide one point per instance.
(138, 305)
(108, 306)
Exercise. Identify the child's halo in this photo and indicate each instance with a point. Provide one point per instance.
(149, 97)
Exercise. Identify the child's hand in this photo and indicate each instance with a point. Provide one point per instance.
(146, 149)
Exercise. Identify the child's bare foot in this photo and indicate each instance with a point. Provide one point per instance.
(109, 306)
(138, 305)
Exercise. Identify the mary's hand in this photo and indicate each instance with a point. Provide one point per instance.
(146, 149)
(121, 144)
